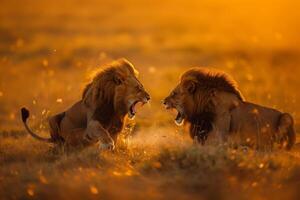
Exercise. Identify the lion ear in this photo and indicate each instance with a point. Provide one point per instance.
(190, 86)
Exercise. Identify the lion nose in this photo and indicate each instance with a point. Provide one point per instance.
(164, 102)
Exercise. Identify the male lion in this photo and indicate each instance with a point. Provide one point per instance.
(213, 106)
(99, 115)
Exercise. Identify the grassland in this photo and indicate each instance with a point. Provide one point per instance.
(48, 51)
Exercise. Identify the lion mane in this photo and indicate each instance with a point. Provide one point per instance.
(206, 82)
(102, 86)
(212, 78)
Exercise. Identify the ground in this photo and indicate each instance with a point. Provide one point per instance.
(50, 49)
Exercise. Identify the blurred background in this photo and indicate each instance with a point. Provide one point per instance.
(49, 48)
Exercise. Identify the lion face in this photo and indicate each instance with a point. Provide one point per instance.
(196, 94)
(189, 98)
(180, 99)
(128, 94)
(116, 91)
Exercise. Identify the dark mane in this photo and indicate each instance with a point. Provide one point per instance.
(202, 116)
(213, 79)
(106, 72)
(85, 90)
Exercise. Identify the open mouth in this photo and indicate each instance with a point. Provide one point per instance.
(179, 118)
(133, 108)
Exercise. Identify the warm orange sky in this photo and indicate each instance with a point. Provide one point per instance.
(256, 23)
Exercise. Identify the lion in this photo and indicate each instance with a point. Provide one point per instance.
(210, 102)
(106, 102)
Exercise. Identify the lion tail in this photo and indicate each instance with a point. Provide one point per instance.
(25, 115)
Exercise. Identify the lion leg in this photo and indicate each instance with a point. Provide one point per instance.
(54, 124)
(76, 138)
(287, 136)
(95, 132)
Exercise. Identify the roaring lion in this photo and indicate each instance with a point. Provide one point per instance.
(213, 106)
(99, 116)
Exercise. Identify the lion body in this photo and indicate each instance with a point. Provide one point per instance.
(251, 124)
(69, 126)
(232, 119)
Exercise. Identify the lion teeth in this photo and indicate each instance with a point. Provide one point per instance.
(131, 115)
(179, 119)
(179, 122)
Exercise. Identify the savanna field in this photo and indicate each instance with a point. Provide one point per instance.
(49, 50)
